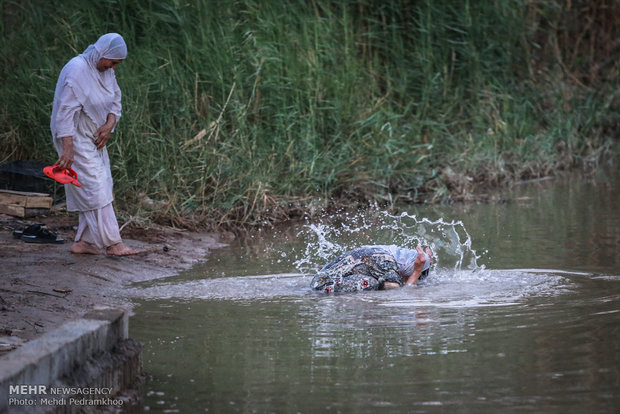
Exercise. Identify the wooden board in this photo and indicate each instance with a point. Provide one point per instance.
(26, 200)
(21, 211)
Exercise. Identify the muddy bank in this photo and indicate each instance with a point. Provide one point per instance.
(44, 285)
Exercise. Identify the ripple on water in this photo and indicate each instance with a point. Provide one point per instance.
(446, 288)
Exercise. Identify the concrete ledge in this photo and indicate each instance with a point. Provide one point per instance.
(88, 352)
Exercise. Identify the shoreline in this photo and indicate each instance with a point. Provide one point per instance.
(45, 285)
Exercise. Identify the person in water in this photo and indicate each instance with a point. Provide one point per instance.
(373, 268)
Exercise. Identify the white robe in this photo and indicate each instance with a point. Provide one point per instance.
(92, 165)
(82, 101)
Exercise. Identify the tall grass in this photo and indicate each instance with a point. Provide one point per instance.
(241, 112)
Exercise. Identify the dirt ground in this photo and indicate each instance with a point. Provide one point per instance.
(45, 285)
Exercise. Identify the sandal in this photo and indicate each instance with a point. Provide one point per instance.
(62, 175)
(30, 230)
(36, 234)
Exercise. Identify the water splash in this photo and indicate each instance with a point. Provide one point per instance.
(446, 289)
(334, 235)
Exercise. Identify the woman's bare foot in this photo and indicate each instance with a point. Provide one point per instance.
(119, 249)
(81, 247)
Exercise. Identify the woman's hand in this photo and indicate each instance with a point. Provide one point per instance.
(104, 132)
(66, 157)
(103, 135)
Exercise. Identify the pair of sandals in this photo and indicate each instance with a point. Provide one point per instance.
(62, 175)
(35, 233)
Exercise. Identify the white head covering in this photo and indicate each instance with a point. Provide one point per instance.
(108, 46)
(96, 92)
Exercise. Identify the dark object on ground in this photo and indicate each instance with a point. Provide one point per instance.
(29, 231)
(37, 234)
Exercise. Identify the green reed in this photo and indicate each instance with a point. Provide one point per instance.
(242, 112)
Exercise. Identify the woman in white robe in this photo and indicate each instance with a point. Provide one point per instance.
(87, 106)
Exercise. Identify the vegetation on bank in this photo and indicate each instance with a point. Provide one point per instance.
(246, 111)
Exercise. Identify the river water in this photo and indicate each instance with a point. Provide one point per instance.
(521, 313)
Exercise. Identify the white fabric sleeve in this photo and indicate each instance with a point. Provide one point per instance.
(116, 107)
(68, 105)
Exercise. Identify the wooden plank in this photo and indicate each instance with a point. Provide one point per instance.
(13, 210)
(28, 200)
(39, 202)
(7, 199)
(26, 193)
(21, 211)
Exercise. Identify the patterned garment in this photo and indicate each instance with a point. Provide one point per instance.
(365, 268)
